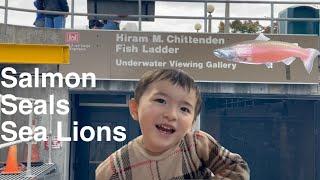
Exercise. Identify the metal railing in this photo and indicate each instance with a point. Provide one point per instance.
(29, 149)
(205, 18)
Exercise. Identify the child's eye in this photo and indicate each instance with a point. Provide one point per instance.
(162, 101)
(184, 109)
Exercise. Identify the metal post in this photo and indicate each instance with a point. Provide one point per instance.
(209, 24)
(72, 14)
(50, 139)
(205, 16)
(5, 16)
(6, 12)
(140, 19)
(227, 15)
(28, 171)
(272, 12)
(50, 135)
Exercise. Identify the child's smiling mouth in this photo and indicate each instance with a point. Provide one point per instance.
(165, 128)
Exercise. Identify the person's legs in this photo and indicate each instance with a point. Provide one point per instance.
(59, 22)
(48, 22)
(39, 22)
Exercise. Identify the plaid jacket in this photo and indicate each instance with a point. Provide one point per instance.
(197, 156)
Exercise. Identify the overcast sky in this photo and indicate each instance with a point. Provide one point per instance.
(161, 8)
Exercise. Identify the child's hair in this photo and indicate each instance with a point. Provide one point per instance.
(176, 77)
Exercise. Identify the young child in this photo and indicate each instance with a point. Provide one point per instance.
(166, 103)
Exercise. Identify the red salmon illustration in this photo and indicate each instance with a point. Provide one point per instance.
(263, 51)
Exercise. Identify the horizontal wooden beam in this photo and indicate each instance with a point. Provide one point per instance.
(34, 54)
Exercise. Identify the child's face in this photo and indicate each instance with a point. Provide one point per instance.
(165, 113)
